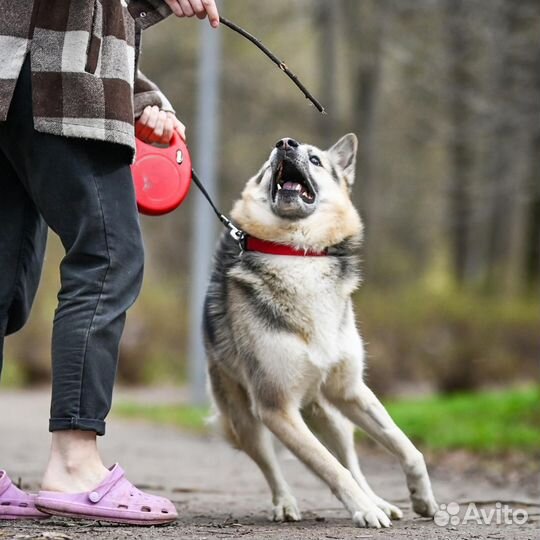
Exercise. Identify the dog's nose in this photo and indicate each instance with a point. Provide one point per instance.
(287, 144)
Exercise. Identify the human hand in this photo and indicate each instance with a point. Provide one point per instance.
(156, 126)
(200, 8)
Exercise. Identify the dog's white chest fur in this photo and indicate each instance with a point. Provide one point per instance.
(321, 298)
(310, 296)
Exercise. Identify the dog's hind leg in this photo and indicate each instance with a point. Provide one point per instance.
(247, 433)
(289, 427)
(337, 433)
(361, 406)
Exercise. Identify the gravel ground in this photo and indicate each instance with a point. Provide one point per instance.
(219, 493)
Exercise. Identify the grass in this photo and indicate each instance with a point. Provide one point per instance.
(12, 374)
(483, 422)
(488, 422)
(183, 416)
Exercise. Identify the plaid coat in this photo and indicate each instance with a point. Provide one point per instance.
(83, 57)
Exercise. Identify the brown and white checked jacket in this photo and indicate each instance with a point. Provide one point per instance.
(83, 58)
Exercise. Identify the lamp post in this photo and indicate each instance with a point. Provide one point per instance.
(203, 220)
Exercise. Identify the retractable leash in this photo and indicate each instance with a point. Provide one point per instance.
(238, 235)
(162, 176)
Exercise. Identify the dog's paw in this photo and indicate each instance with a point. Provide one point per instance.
(374, 517)
(425, 506)
(393, 512)
(286, 509)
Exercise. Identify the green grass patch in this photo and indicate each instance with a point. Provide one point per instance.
(487, 422)
(483, 422)
(12, 374)
(182, 416)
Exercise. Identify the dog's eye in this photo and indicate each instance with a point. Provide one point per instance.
(315, 160)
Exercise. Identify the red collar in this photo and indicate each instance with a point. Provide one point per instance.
(273, 248)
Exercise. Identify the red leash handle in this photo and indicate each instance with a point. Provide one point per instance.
(161, 176)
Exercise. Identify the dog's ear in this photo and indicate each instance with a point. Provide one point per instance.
(343, 153)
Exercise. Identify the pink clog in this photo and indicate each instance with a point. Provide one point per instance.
(15, 503)
(116, 500)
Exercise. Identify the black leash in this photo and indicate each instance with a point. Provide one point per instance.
(238, 235)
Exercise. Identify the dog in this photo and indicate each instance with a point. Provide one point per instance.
(284, 354)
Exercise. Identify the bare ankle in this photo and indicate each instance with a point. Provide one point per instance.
(74, 463)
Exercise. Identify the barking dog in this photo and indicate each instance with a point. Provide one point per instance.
(284, 354)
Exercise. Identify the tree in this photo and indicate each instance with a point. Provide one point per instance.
(461, 143)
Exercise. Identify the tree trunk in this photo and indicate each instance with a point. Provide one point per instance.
(532, 255)
(461, 143)
(365, 24)
(328, 24)
(511, 167)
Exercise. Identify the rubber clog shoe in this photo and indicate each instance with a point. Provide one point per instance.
(15, 503)
(116, 500)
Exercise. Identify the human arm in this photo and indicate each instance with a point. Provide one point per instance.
(155, 118)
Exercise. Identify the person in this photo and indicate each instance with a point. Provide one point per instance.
(70, 94)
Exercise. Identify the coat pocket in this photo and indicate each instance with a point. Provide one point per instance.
(93, 50)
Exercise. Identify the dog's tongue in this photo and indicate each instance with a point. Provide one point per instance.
(292, 186)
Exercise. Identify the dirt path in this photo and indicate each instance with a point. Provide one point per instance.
(220, 494)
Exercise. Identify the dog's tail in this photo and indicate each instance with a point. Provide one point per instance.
(220, 423)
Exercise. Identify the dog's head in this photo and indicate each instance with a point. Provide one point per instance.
(301, 195)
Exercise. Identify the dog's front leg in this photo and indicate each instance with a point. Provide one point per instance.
(289, 427)
(337, 433)
(364, 409)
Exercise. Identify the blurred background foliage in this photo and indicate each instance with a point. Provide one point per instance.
(444, 96)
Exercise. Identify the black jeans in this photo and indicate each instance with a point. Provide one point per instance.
(83, 191)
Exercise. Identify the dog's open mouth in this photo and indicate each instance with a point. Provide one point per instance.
(289, 181)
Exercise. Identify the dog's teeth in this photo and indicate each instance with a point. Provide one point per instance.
(280, 187)
(292, 186)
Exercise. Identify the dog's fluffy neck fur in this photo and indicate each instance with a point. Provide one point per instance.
(329, 226)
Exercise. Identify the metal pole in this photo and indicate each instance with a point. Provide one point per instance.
(203, 230)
